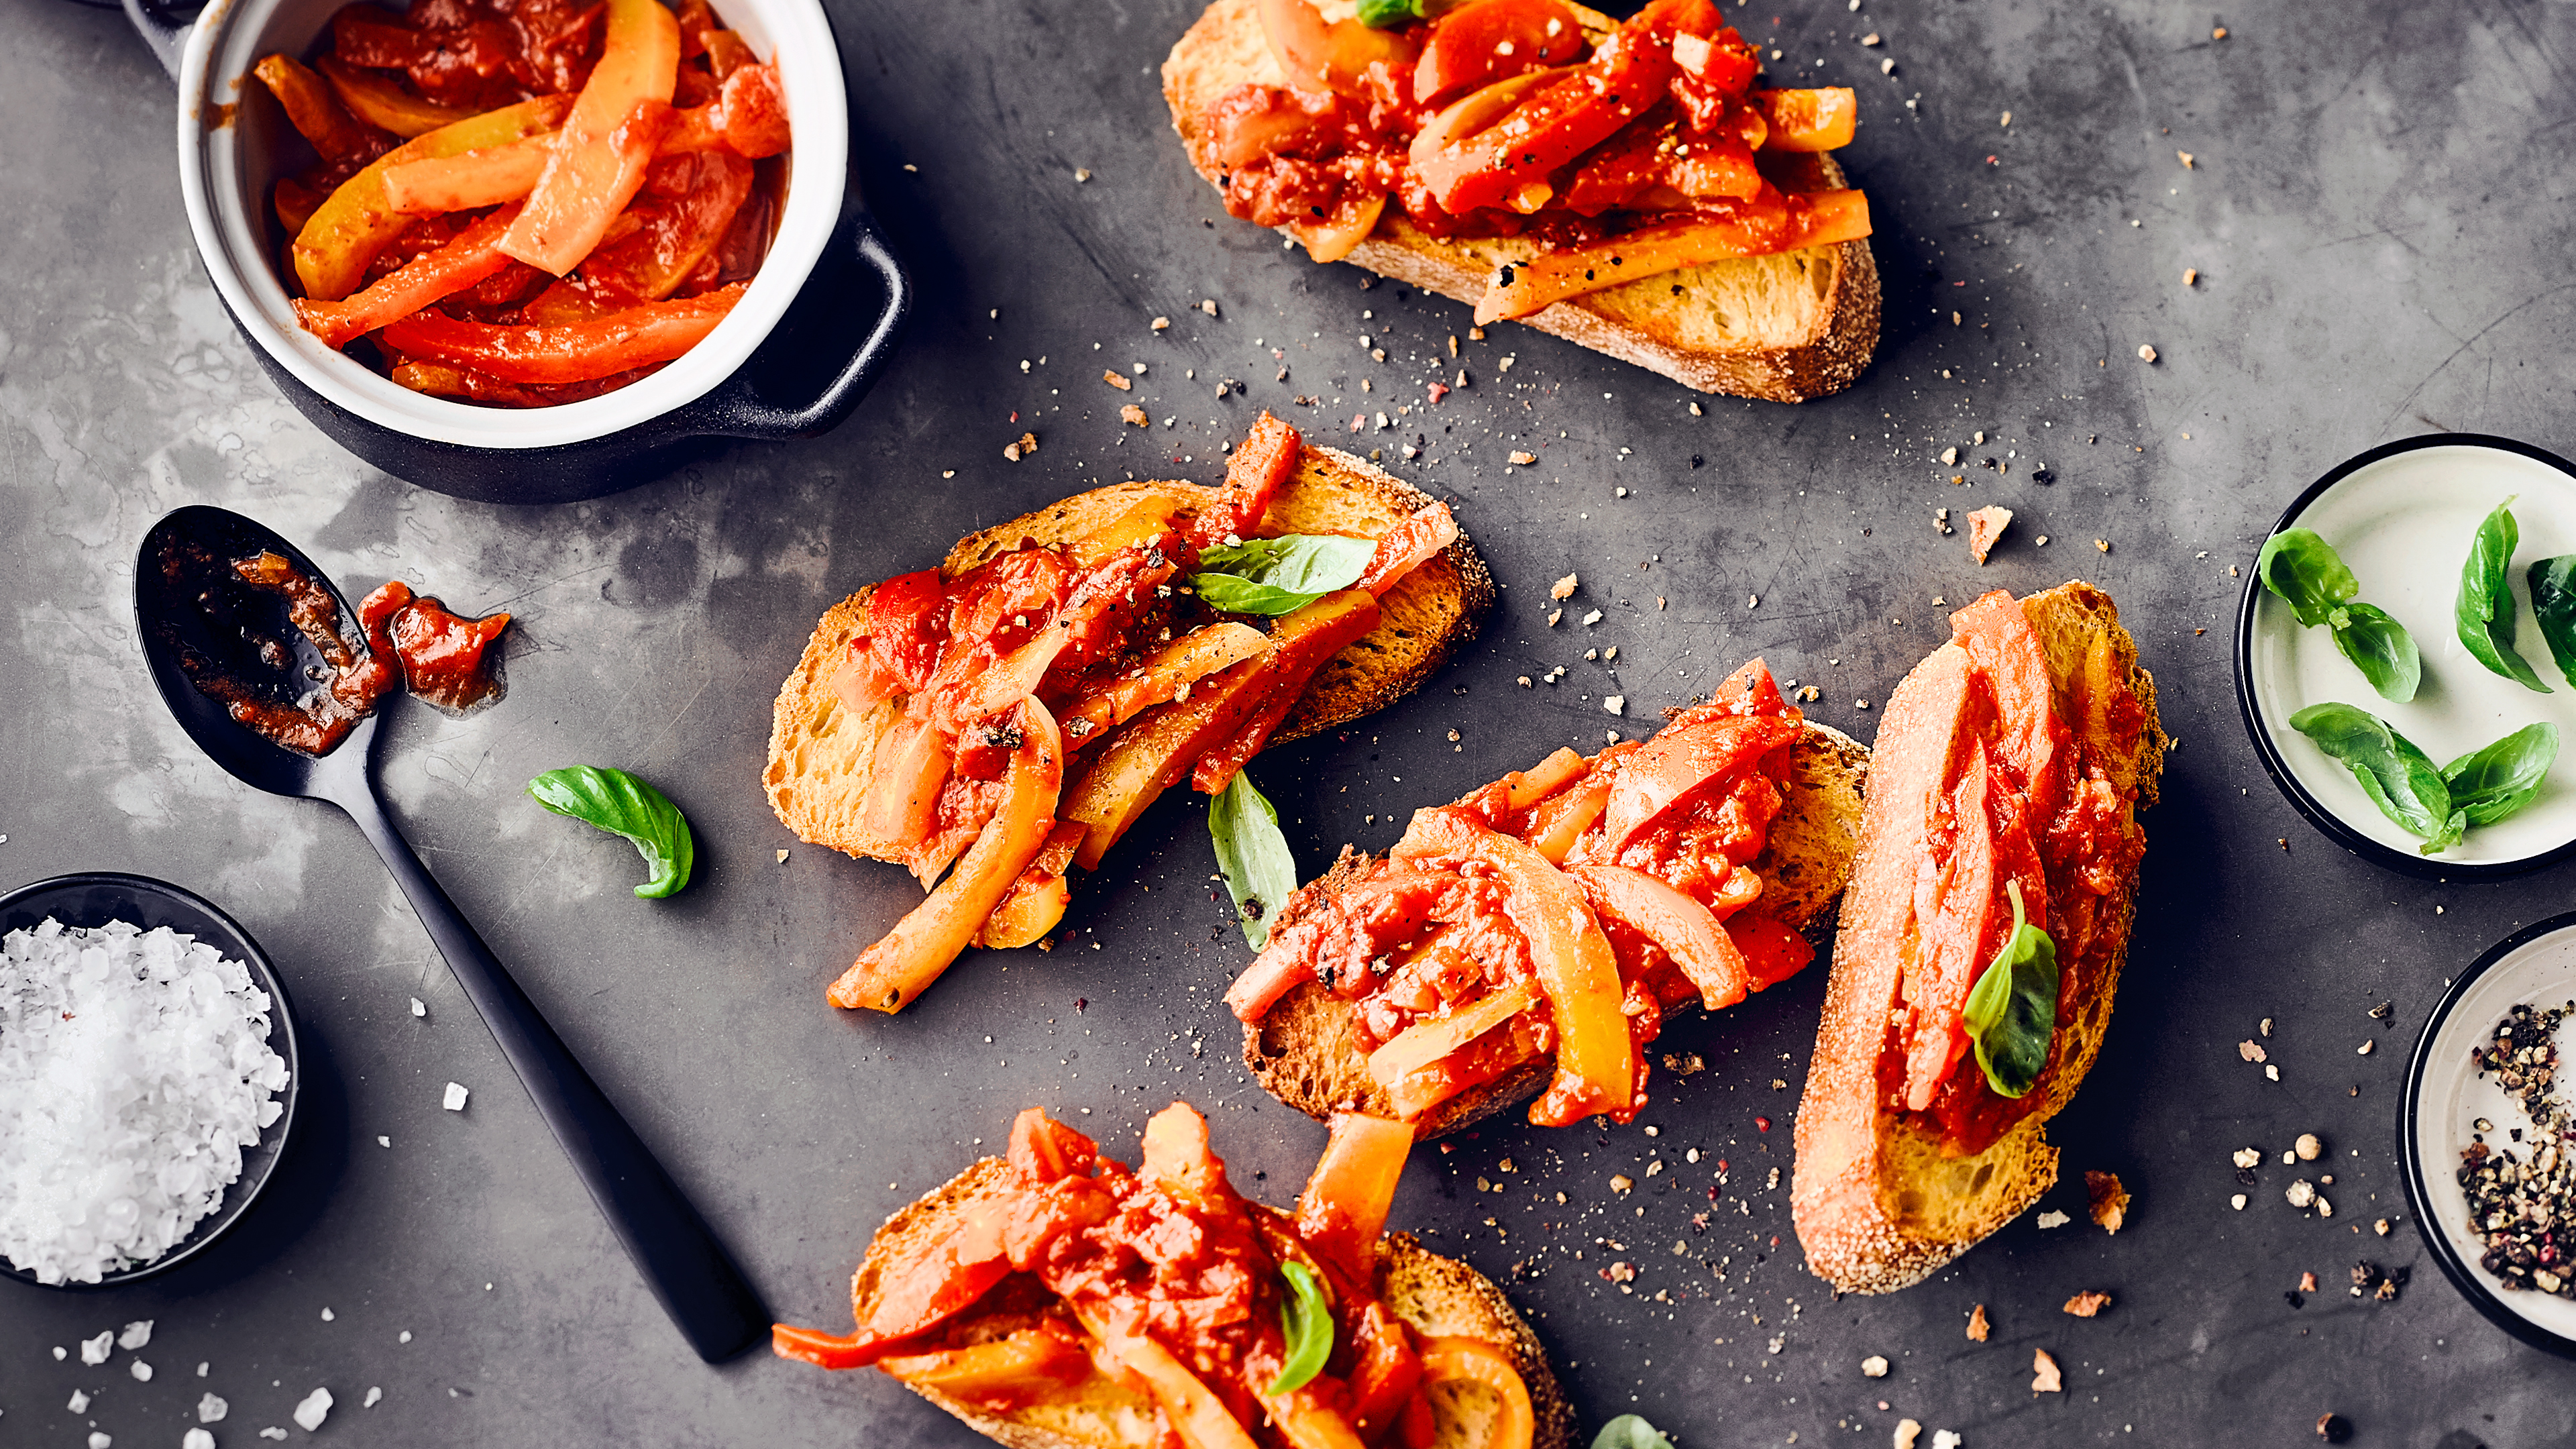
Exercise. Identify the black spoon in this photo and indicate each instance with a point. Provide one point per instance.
(252, 641)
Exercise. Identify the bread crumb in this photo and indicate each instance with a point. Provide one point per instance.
(2248, 1157)
(1621, 1183)
(2043, 1373)
(2308, 1148)
(1116, 379)
(1524, 459)
(782, 857)
(1943, 1438)
(2053, 1219)
(1162, 324)
(1553, 615)
(2250, 1050)
(2219, 33)
(2190, 276)
(1564, 588)
(1014, 452)
(2088, 1303)
(2146, 353)
(1986, 528)
(1941, 520)
(1616, 703)
(2186, 159)
(2110, 1200)
(1977, 1327)
(2102, 544)
(1133, 414)
(2237, 1201)
(1592, 618)
(1907, 1431)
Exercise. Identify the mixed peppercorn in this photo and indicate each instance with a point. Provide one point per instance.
(2523, 1207)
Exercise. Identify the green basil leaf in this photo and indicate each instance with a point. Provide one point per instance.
(621, 804)
(2380, 648)
(2012, 1010)
(2301, 567)
(2490, 784)
(1630, 1431)
(1307, 1322)
(2553, 601)
(1273, 576)
(1252, 854)
(1388, 14)
(2483, 612)
(2393, 773)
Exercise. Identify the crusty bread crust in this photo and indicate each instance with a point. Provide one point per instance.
(1435, 1296)
(1306, 1049)
(1787, 327)
(1876, 1204)
(819, 755)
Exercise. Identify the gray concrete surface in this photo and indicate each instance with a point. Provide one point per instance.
(2379, 211)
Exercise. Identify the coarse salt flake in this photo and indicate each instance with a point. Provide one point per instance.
(136, 1334)
(315, 1407)
(374, 1397)
(211, 1410)
(196, 1439)
(454, 1100)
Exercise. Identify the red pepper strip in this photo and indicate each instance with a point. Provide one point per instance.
(2007, 653)
(1253, 476)
(1299, 645)
(1815, 218)
(1045, 1150)
(1680, 926)
(652, 332)
(1508, 165)
(598, 166)
(316, 116)
(1683, 765)
(1772, 952)
(823, 1350)
(1823, 119)
(1387, 1373)
(1406, 547)
(935, 1284)
(1953, 937)
(472, 256)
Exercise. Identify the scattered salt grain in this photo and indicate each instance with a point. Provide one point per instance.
(60, 1353)
(197, 1439)
(419, 1007)
(136, 1334)
(403, 1337)
(79, 1402)
(374, 1397)
(98, 1440)
(315, 1408)
(272, 1432)
(211, 1410)
(152, 1051)
(95, 1350)
(454, 1101)
(142, 1371)
(2053, 1219)
(1946, 1439)
(326, 1315)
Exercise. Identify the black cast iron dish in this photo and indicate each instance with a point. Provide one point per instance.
(94, 899)
(688, 1270)
(834, 310)
(2268, 748)
(2424, 1071)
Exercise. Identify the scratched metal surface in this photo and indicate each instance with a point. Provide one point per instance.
(2378, 210)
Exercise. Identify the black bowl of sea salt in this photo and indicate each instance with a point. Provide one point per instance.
(2487, 1134)
(180, 1047)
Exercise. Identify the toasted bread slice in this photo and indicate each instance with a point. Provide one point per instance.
(819, 755)
(1435, 1296)
(1877, 1205)
(1306, 1050)
(1787, 327)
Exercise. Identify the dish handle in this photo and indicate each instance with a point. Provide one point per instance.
(166, 34)
(745, 405)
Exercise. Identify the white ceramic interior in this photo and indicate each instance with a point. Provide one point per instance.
(2403, 525)
(232, 135)
(2540, 973)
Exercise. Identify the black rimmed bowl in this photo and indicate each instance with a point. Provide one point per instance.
(2402, 516)
(2444, 1098)
(93, 900)
(819, 321)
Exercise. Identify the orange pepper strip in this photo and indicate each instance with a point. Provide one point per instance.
(1037, 900)
(312, 111)
(1342, 1212)
(472, 256)
(1159, 677)
(1477, 1361)
(1433, 1039)
(598, 166)
(571, 352)
(1155, 753)
(1823, 119)
(1002, 1374)
(1816, 218)
(345, 232)
(888, 975)
(1408, 546)
(1683, 928)
(382, 104)
(1596, 1063)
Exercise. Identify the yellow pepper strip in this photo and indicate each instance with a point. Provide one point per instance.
(598, 165)
(1474, 1360)
(346, 232)
(381, 103)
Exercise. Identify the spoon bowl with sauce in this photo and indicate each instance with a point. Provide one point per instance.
(277, 679)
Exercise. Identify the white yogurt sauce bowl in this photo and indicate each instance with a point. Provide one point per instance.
(2402, 517)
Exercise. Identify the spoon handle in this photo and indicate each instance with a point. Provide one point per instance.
(687, 1269)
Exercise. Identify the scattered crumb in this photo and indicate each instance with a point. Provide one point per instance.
(1564, 588)
(1116, 379)
(196, 1439)
(374, 1397)
(418, 1007)
(2308, 1148)
(211, 1410)
(2250, 1050)
(2110, 1200)
(2103, 545)
(1977, 1326)
(310, 1413)
(2301, 1193)
(2237, 1201)
(2088, 1303)
(136, 1334)
(782, 857)
(2219, 33)
(1616, 703)
(1907, 1431)
(1986, 528)
(2053, 1219)
(1162, 324)
(142, 1371)
(1014, 452)
(1942, 1438)
(1874, 1367)
(2248, 1157)
(1522, 458)
(2043, 1373)
(94, 1351)
(2307, 1282)
(2186, 159)
(2146, 353)
(2190, 276)
(1133, 414)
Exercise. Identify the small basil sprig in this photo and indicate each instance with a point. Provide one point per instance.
(2392, 771)
(1630, 1431)
(1273, 576)
(1252, 854)
(2553, 602)
(2309, 576)
(2484, 610)
(1388, 14)
(1306, 1320)
(621, 804)
(2489, 784)
(2012, 1010)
